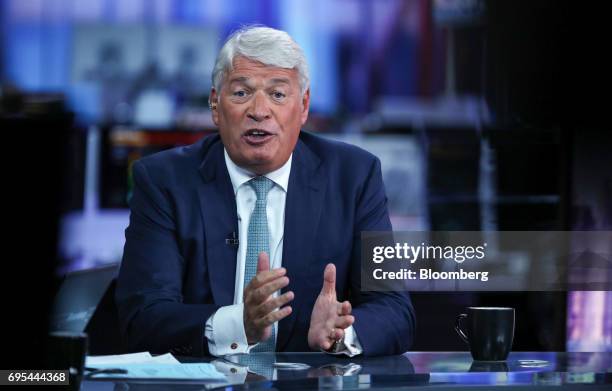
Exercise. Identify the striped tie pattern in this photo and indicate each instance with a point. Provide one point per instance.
(258, 240)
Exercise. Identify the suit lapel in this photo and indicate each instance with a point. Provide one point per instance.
(218, 205)
(302, 212)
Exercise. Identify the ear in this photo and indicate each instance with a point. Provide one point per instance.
(305, 106)
(213, 100)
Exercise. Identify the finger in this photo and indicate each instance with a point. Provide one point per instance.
(262, 293)
(326, 344)
(253, 294)
(264, 277)
(344, 321)
(345, 308)
(273, 304)
(263, 262)
(329, 280)
(274, 317)
(337, 334)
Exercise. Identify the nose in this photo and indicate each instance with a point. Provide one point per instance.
(259, 110)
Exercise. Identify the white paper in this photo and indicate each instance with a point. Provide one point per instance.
(167, 358)
(190, 371)
(91, 361)
(132, 358)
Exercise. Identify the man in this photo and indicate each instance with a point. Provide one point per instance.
(250, 240)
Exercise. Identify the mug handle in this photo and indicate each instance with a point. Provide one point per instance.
(459, 330)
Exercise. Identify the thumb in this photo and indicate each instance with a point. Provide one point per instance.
(263, 262)
(329, 280)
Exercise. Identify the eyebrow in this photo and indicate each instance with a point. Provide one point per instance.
(281, 80)
(276, 80)
(241, 79)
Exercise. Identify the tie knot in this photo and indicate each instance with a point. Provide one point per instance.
(262, 186)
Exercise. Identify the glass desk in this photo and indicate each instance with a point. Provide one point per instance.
(439, 370)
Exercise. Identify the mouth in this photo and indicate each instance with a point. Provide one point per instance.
(257, 137)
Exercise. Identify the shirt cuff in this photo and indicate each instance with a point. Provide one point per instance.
(225, 331)
(351, 345)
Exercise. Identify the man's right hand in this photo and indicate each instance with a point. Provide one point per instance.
(261, 310)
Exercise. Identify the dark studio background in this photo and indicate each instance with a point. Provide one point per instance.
(524, 143)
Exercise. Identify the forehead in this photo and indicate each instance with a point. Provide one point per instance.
(246, 69)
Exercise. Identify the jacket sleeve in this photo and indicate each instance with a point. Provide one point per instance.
(152, 314)
(384, 321)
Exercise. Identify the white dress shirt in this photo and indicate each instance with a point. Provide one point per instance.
(225, 328)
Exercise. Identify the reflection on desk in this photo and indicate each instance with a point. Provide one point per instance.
(436, 369)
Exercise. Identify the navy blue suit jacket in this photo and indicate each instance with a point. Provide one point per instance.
(177, 269)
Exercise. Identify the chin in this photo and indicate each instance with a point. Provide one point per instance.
(261, 160)
(261, 157)
(251, 161)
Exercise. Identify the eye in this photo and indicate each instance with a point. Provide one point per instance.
(278, 95)
(240, 93)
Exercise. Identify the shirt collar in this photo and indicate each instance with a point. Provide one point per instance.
(239, 176)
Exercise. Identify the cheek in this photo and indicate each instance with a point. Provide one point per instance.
(228, 120)
(291, 118)
(292, 124)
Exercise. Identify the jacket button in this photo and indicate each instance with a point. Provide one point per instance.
(234, 345)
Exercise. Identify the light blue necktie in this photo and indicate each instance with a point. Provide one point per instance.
(258, 241)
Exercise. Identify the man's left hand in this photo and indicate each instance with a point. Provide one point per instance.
(329, 317)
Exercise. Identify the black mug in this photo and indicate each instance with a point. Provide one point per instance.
(489, 332)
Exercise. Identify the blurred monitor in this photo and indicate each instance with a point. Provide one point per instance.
(458, 12)
(403, 171)
(78, 297)
(127, 74)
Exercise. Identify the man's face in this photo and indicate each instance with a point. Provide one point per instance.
(259, 112)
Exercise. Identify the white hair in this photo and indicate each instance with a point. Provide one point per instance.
(264, 44)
